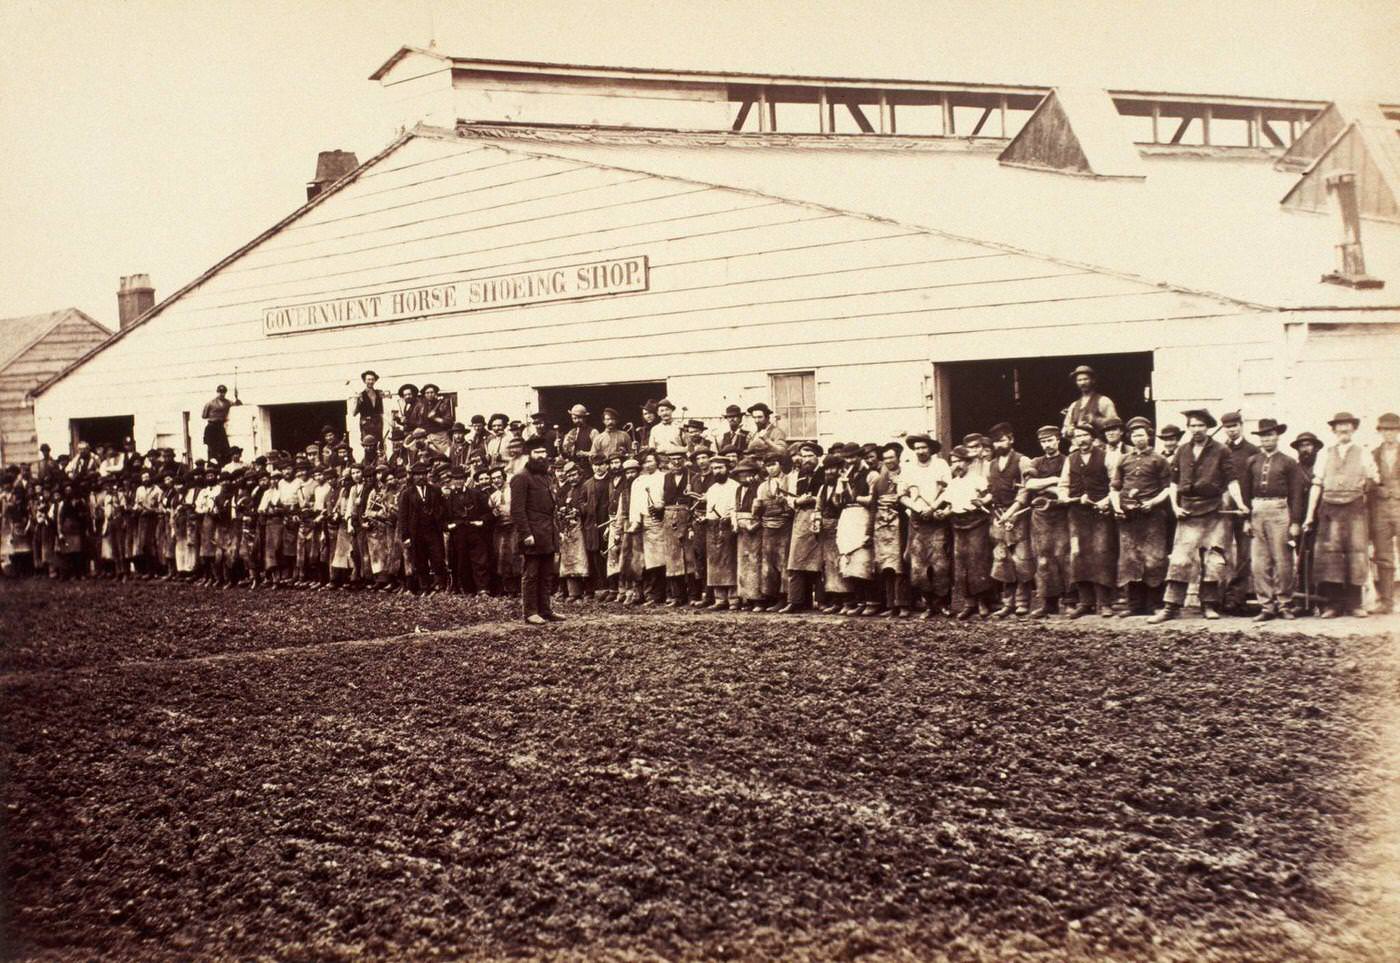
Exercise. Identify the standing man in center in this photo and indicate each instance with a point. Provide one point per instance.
(532, 514)
(1273, 487)
(1013, 565)
(1241, 451)
(422, 521)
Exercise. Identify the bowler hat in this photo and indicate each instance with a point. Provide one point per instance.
(1090, 427)
(579, 411)
(1268, 426)
(459, 429)
(611, 411)
(428, 385)
(649, 405)
(478, 419)
(1342, 417)
(1307, 436)
(833, 461)
(894, 446)
(760, 406)
(1389, 421)
(733, 411)
(1082, 369)
(1169, 432)
(999, 429)
(811, 446)
(960, 453)
(695, 424)
(1201, 414)
(666, 403)
(597, 458)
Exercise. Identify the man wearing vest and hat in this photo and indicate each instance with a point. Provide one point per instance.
(1241, 451)
(1091, 406)
(578, 440)
(1274, 489)
(1049, 524)
(1093, 536)
(1385, 510)
(1202, 476)
(612, 440)
(1337, 509)
(721, 576)
(767, 437)
(736, 439)
(1141, 487)
(1013, 565)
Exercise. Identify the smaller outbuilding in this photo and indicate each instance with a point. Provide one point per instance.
(34, 348)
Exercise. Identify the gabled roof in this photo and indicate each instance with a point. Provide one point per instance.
(400, 54)
(1313, 142)
(1368, 149)
(222, 263)
(18, 335)
(1076, 132)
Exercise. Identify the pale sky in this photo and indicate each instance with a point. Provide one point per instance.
(158, 136)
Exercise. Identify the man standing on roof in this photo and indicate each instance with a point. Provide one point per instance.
(1091, 406)
(215, 417)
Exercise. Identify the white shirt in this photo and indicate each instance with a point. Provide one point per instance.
(929, 479)
(720, 499)
(648, 491)
(962, 493)
(667, 439)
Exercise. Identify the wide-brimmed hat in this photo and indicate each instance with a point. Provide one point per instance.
(811, 446)
(1389, 421)
(1307, 436)
(1268, 426)
(578, 411)
(407, 387)
(760, 406)
(695, 424)
(999, 429)
(894, 446)
(430, 385)
(1201, 413)
(1342, 417)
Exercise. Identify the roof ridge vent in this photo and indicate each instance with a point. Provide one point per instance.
(1076, 131)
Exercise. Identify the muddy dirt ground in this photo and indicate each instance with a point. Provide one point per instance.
(196, 774)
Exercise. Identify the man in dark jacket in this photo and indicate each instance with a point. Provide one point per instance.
(422, 517)
(532, 514)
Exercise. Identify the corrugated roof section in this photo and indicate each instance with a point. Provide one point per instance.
(1076, 131)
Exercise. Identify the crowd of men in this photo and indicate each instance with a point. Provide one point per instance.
(1109, 518)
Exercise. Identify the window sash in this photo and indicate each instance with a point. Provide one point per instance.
(795, 402)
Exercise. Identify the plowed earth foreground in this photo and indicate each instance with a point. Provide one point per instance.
(673, 784)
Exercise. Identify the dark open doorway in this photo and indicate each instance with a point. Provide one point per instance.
(626, 396)
(1030, 392)
(293, 427)
(110, 431)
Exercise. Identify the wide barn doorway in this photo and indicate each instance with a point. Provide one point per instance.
(110, 431)
(1030, 392)
(626, 396)
(293, 427)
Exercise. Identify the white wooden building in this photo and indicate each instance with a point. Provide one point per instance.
(533, 237)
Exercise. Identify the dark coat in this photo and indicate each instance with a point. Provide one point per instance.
(419, 517)
(532, 512)
(594, 496)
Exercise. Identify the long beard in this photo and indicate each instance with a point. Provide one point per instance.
(536, 467)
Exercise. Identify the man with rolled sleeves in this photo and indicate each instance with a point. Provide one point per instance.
(612, 440)
(1385, 511)
(666, 436)
(1203, 477)
(532, 516)
(767, 437)
(1274, 490)
(922, 483)
(1091, 406)
(1241, 451)
(1141, 487)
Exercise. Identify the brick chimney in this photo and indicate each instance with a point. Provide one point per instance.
(135, 297)
(331, 166)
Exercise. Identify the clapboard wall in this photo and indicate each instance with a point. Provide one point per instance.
(68, 338)
(742, 285)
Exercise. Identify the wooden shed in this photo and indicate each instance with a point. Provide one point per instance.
(34, 348)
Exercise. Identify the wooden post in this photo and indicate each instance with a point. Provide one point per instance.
(886, 121)
(949, 128)
(1205, 126)
(765, 118)
(1256, 124)
(1156, 122)
(824, 118)
(1003, 116)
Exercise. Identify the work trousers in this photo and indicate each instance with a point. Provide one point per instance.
(470, 559)
(1271, 559)
(537, 584)
(1240, 577)
(428, 555)
(1385, 532)
(598, 570)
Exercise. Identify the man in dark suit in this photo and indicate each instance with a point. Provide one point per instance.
(422, 517)
(532, 514)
